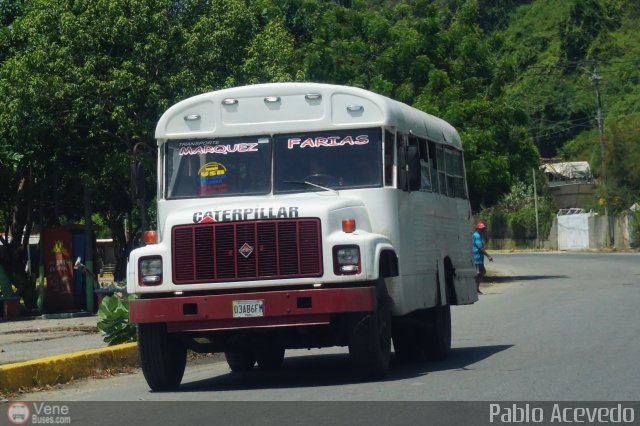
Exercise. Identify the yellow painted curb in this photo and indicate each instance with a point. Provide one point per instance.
(62, 368)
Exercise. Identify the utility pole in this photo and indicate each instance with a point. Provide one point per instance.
(88, 241)
(535, 204)
(595, 78)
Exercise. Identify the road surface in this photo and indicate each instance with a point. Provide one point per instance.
(563, 327)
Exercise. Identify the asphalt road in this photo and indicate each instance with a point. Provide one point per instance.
(564, 327)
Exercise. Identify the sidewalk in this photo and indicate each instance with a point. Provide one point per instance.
(54, 349)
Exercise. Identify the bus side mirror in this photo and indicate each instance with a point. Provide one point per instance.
(415, 175)
(138, 188)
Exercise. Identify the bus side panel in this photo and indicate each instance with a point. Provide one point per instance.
(464, 282)
(407, 291)
(418, 254)
(465, 286)
(412, 292)
(437, 227)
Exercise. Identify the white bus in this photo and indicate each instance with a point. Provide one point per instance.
(299, 215)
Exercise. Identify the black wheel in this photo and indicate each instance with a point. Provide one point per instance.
(370, 338)
(162, 357)
(437, 341)
(240, 360)
(406, 342)
(270, 357)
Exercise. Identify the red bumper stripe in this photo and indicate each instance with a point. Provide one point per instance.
(281, 308)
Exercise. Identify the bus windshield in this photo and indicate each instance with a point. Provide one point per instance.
(338, 159)
(343, 159)
(218, 167)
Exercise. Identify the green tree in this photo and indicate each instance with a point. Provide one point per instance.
(467, 90)
(84, 82)
(271, 56)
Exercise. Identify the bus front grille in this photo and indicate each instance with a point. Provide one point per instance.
(244, 251)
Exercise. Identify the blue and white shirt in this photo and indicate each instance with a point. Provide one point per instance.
(478, 244)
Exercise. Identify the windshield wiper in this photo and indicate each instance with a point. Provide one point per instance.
(306, 182)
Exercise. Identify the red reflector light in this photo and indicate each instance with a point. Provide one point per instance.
(348, 225)
(150, 237)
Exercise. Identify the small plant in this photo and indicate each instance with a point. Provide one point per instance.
(634, 221)
(113, 320)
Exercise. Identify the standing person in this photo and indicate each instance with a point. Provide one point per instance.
(479, 253)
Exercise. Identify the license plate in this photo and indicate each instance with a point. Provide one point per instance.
(248, 308)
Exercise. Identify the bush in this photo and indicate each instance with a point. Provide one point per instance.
(522, 224)
(113, 320)
(514, 216)
(497, 222)
(634, 220)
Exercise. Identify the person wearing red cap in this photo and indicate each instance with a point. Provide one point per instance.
(479, 253)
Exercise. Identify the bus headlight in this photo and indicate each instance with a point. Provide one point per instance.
(150, 271)
(346, 260)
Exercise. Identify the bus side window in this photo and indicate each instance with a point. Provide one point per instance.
(389, 145)
(465, 195)
(442, 176)
(433, 166)
(455, 174)
(424, 165)
(401, 162)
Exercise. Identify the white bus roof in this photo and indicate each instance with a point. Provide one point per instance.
(294, 107)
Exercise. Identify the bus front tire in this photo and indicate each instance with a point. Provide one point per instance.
(370, 338)
(163, 357)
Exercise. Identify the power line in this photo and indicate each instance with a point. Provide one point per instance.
(578, 122)
(558, 132)
(583, 62)
(575, 120)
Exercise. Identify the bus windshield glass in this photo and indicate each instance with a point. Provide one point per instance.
(337, 159)
(218, 167)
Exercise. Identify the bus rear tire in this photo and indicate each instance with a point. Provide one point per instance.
(240, 361)
(370, 338)
(437, 343)
(163, 357)
(406, 342)
(270, 357)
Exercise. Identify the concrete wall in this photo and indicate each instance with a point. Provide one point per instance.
(573, 231)
(582, 231)
(589, 231)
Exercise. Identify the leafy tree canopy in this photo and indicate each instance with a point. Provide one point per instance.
(83, 82)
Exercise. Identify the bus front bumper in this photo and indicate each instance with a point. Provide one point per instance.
(252, 310)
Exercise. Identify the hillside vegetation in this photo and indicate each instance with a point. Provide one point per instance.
(83, 81)
(560, 51)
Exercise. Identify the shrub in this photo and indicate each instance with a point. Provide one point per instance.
(113, 320)
(514, 217)
(522, 224)
(634, 220)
